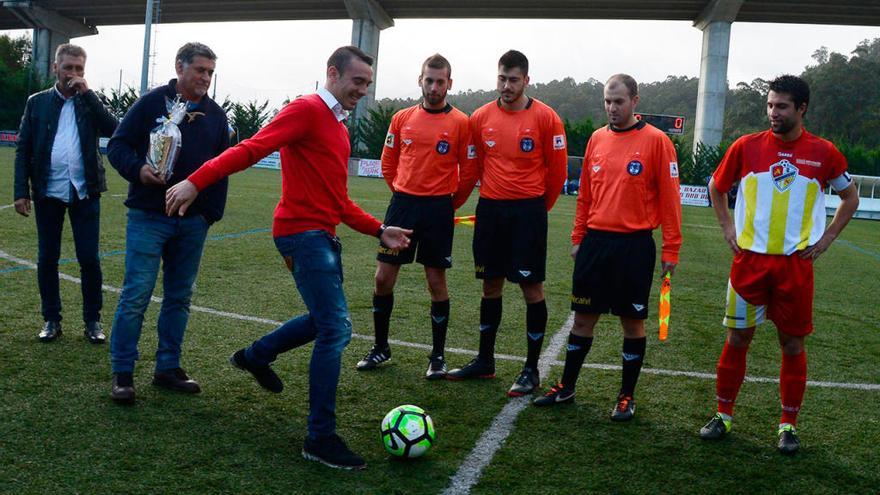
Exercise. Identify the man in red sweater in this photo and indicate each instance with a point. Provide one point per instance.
(521, 164)
(314, 145)
(428, 162)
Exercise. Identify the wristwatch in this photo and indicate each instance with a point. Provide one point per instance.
(381, 230)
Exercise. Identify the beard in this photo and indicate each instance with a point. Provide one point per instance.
(433, 99)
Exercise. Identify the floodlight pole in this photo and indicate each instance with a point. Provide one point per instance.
(148, 27)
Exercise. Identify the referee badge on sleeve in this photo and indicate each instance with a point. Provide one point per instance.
(472, 152)
(559, 142)
(673, 169)
(389, 140)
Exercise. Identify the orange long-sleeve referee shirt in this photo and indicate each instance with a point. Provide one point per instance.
(629, 182)
(430, 153)
(520, 154)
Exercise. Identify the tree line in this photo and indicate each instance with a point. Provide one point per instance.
(844, 107)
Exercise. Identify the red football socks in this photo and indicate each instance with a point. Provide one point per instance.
(792, 383)
(730, 373)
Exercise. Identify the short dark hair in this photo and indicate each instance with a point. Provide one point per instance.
(68, 49)
(437, 61)
(341, 58)
(188, 52)
(513, 59)
(793, 86)
(632, 87)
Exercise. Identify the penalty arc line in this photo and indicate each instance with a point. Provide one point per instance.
(872, 387)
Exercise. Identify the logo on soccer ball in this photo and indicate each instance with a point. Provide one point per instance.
(527, 144)
(783, 174)
(407, 431)
(634, 167)
(443, 147)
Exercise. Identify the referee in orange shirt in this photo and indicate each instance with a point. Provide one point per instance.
(629, 186)
(428, 162)
(521, 163)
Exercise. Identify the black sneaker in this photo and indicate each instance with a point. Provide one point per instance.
(436, 367)
(625, 408)
(716, 428)
(526, 383)
(263, 374)
(332, 451)
(374, 358)
(474, 369)
(176, 380)
(788, 440)
(556, 395)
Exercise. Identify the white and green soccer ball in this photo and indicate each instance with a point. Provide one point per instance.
(407, 431)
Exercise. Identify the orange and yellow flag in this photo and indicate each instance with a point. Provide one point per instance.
(665, 306)
(469, 220)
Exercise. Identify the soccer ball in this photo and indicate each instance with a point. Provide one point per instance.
(407, 431)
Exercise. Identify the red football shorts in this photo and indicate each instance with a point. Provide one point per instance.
(773, 286)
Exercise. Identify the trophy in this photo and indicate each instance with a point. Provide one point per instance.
(165, 139)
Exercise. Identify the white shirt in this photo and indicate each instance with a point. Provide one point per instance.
(334, 105)
(66, 166)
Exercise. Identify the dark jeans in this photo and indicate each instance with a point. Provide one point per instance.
(316, 259)
(150, 238)
(85, 221)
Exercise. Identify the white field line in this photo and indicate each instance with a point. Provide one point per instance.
(454, 350)
(492, 439)
(6, 206)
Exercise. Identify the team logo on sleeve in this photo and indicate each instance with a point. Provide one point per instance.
(673, 169)
(472, 152)
(559, 142)
(634, 167)
(527, 144)
(389, 140)
(443, 147)
(783, 174)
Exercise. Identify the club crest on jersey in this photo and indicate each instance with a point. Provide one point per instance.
(634, 167)
(443, 147)
(527, 144)
(783, 174)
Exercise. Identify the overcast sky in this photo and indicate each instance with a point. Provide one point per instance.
(275, 60)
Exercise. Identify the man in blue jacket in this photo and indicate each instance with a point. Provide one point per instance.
(152, 236)
(57, 155)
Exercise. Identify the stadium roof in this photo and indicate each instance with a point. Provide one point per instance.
(93, 13)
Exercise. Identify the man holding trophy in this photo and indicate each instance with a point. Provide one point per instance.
(165, 136)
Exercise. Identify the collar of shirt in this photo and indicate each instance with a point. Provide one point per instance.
(63, 98)
(333, 104)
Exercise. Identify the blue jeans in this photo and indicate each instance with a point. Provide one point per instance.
(149, 238)
(85, 222)
(315, 259)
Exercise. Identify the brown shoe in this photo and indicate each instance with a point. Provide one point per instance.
(122, 390)
(94, 333)
(176, 380)
(51, 331)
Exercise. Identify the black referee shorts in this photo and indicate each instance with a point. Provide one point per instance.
(613, 272)
(510, 239)
(431, 220)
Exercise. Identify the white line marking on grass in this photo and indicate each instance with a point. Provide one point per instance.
(454, 350)
(7, 206)
(491, 440)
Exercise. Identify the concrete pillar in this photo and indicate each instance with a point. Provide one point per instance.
(365, 35)
(50, 30)
(712, 92)
(46, 42)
